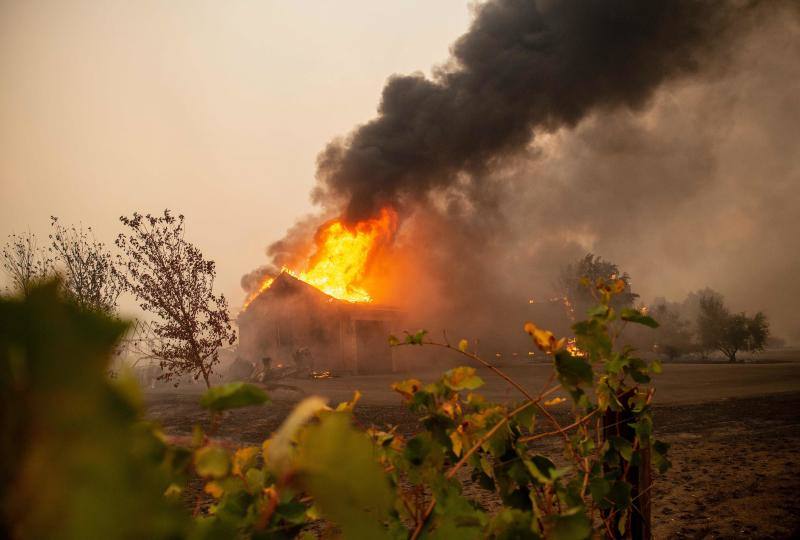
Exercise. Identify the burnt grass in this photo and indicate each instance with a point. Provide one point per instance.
(735, 473)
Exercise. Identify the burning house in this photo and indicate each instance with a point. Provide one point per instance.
(319, 317)
(294, 322)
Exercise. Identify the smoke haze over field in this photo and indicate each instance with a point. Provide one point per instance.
(660, 135)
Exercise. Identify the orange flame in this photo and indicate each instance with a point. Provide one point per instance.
(340, 263)
(573, 349)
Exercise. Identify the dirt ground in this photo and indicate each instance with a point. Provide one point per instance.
(735, 434)
(735, 469)
(679, 383)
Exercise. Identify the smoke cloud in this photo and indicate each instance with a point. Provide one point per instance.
(522, 67)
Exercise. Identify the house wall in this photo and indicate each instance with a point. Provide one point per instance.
(340, 337)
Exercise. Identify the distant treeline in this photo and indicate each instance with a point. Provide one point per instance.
(699, 325)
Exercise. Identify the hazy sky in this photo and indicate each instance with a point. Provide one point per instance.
(218, 110)
(213, 109)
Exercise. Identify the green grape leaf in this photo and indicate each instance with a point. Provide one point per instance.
(338, 465)
(462, 378)
(636, 316)
(571, 525)
(232, 396)
(211, 461)
(573, 371)
(416, 339)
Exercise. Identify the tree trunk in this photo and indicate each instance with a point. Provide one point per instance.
(639, 476)
(203, 371)
(198, 361)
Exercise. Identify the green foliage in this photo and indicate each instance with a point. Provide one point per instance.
(635, 316)
(338, 465)
(573, 371)
(462, 378)
(571, 525)
(416, 339)
(232, 395)
(77, 464)
(367, 483)
(212, 462)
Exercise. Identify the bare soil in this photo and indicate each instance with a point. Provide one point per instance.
(735, 459)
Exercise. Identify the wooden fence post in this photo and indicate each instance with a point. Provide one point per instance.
(615, 423)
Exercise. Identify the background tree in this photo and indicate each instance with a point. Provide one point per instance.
(577, 280)
(25, 262)
(689, 308)
(86, 267)
(673, 337)
(728, 333)
(758, 332)
(171, 279)
(712, 322)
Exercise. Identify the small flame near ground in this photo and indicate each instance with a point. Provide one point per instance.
(342, 257)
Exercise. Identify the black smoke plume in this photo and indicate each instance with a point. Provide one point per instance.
(523, 66)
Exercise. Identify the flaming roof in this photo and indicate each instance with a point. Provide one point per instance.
(342, 257)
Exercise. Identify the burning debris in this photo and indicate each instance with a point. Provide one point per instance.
(573, 349)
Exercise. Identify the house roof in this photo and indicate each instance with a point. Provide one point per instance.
(287, 284)
(287, 288)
